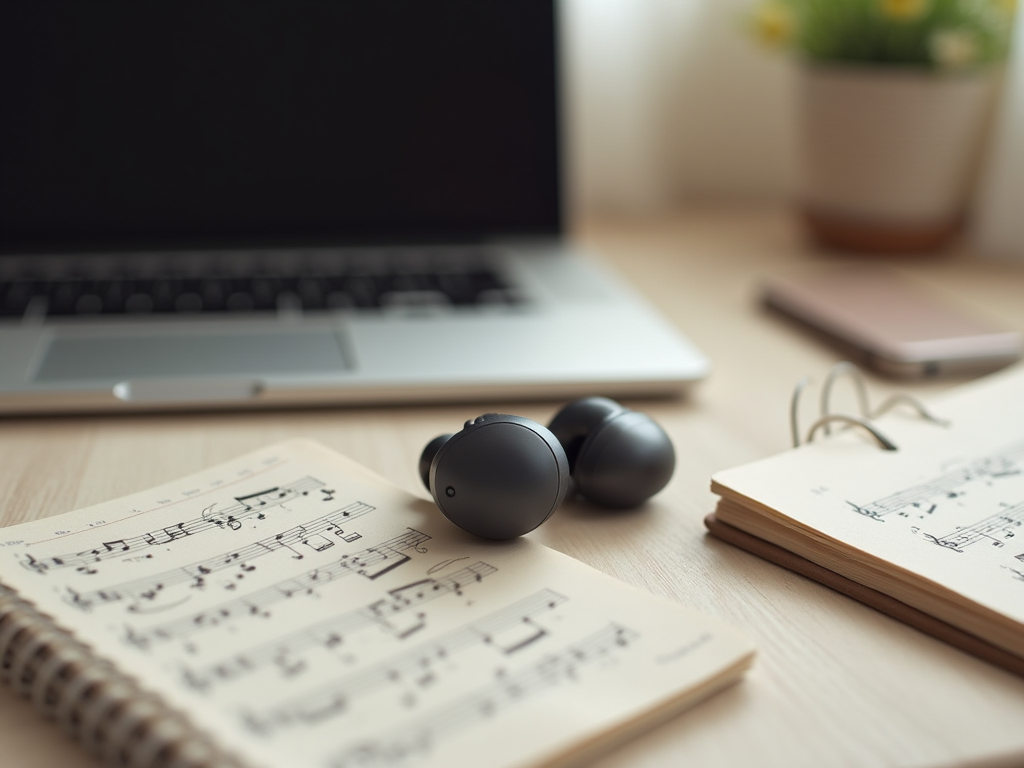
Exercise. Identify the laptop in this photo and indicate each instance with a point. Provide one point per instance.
(249, 203)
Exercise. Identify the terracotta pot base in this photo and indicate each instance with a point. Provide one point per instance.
(853, 234)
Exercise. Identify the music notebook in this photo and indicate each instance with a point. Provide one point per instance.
(292, 609)
(930, 531)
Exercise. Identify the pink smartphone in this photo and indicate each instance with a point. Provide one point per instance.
(887, 322)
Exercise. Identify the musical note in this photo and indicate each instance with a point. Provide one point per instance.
(29, 562)
(504, 691)
(375, 562)
(195, 573)
(995, 530)
(318, 543)
(972, 508)
(260, 498)
(370, 563)
(414, 666)
(922, 497)
(330, 633)
(245, 506)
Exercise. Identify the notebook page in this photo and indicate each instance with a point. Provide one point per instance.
(306, 613)
(947, 506)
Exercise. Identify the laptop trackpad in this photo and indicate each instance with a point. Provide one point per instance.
(194, 354)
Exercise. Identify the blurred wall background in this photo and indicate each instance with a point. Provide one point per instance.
(674, 100)
(998, 221)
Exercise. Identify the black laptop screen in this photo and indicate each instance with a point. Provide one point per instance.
(187, 122)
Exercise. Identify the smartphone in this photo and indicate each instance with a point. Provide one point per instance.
(886, 321)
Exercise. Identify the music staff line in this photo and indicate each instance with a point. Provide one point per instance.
(371, 563)
(995, 529)
(250, 505)
(1001, 464)
(331, 633)
(504, 692)
(218, 486)
(195, 574)
(415, 666)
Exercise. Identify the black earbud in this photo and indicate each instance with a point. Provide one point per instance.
(502, 476)
(617, 457)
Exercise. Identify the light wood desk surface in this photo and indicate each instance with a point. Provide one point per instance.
(835, 684)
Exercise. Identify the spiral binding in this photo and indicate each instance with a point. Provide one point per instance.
(103, 708)
(867, 413)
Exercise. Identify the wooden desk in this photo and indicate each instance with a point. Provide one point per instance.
(835, 683)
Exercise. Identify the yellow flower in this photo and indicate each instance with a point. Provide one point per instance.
(904, 10)
(774, 24)
(953, 48)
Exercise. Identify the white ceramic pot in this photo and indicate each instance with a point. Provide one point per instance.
(889, 153)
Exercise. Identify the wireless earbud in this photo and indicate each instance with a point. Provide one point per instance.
(502, 476)
(498, 478)
(617, 457)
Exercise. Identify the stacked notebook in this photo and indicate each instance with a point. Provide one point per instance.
(930, 532)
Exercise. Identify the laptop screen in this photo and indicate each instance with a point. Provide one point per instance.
(170, 123)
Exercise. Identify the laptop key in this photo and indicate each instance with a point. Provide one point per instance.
(15, 297)
(409, 283)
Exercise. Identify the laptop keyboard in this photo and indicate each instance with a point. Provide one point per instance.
(398, 283)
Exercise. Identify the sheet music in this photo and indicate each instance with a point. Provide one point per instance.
(948, 504)
(306, 613)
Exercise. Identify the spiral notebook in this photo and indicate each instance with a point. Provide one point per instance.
(289, 609)
(920, 518)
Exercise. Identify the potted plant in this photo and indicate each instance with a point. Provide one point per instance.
(894, 100)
